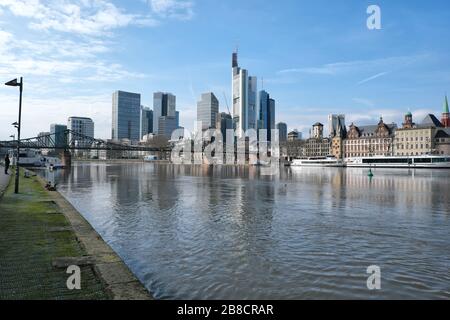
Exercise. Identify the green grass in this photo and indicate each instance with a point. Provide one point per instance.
(30, 240)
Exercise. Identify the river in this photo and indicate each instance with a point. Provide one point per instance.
(199, 232)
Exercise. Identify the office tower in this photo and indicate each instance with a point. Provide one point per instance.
(146, 121)
(177, 115)
(126, 116)
(266, 114)
(45, 138)
(252, 102)
(207, 110)
(166, 126)
(282, 129)
(164, 105)
(58, 132)
(80, 126)
(244, 91)
(336, 123)
(224, 122)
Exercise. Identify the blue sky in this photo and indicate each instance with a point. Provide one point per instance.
(316, 57)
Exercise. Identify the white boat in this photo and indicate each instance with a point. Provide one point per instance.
(318, 162)
(425, 161)
(34, 158)
(28, 158)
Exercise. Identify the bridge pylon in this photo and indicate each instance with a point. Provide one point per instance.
(66, 158)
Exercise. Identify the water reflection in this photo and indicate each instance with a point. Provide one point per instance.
(232, 233)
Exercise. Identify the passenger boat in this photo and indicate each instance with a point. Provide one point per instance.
(318, 162)
(28, 158)
(33, 158)
(425, 161)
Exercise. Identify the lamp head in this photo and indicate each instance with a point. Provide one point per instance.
(12, 83)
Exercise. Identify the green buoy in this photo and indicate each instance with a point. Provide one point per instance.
(370, 175)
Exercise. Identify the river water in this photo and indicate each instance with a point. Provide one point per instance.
(198, 232)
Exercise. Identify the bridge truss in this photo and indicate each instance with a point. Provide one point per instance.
(70, 140)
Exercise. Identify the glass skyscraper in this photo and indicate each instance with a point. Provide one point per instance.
(224, 122)
(126, 116)
(146, 121)
(266, 114)
(282, 129)
(244, 91)
(59, 135)
(207, 110)
(164, 105)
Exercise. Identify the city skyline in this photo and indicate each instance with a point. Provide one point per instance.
(72, 69)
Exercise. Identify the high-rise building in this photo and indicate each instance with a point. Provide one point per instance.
(126, 116)
(80, 126)
(282, 129)
(445, 120)
(146, 121)
(336, 123)
(266, 115)
(207, 110)
(224, 122)
(45, 137)
(244, 92)
(166, 126)
(252, 103)
(164, 105)
(58, 132)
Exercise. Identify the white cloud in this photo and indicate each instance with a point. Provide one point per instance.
(177, 9)
(350, 66)
(96, 17)
(64, 59)
(376, 76)
(38, 114)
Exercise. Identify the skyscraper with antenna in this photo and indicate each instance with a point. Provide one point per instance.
(244, 98)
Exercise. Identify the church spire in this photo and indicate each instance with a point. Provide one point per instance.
(445, 109)
(445, 120)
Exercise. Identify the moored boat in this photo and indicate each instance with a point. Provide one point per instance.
(424, 161)
(318, 162)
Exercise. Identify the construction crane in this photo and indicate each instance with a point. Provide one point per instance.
(226, 102)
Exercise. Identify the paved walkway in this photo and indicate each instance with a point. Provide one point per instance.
(34, 236)
(41, 235)
(4, 179)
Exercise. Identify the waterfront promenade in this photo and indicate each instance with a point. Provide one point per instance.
(4, 180)
(41, 235)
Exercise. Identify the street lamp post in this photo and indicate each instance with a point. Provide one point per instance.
(15, 83)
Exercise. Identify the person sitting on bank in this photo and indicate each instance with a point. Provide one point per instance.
(7, 162)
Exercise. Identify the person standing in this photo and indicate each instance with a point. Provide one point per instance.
(7, 162)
